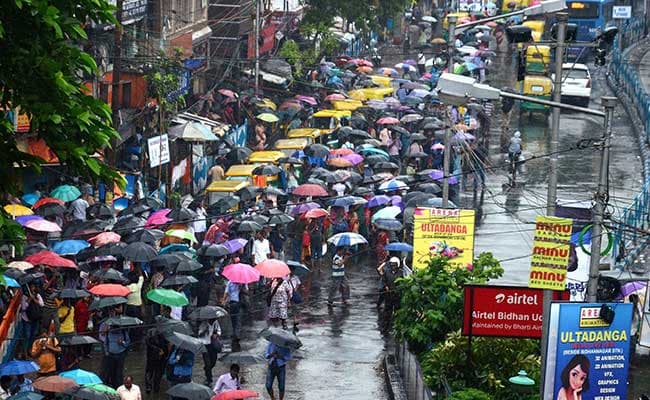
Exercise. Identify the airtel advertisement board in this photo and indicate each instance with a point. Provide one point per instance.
(504, 311)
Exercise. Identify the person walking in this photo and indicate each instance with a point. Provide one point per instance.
(116, 344)
(179, 367)
(339, 281)
(261, 247)
(129, 391)
(277, 357)
(231, 297)
(279, 302)
(228, 381)
(155, 364)
(209, 333)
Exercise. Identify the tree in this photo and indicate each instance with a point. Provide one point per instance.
(365, 14)
(41, 74)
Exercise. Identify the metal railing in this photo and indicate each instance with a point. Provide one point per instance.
(416, 388)
(635, 217)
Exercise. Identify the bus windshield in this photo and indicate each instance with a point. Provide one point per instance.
(583, 10)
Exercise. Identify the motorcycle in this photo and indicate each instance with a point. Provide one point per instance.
(375, 57)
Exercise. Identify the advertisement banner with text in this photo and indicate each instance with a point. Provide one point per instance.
(551, 249)
(443, 232)
(587, 357)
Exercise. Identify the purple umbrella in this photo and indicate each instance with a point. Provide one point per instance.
(235, 244)
(377, 104)
(631, 287)
(378, 201)
(438, 175)
(307, 99)
(354, 158)
(26, 218)
(464, 136)
(410, 62)
(397, 201)
(304, 207)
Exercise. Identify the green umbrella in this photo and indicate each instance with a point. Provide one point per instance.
(99, 387)
(66, 193)
(168, 297)
(182, 234)
(267, 117)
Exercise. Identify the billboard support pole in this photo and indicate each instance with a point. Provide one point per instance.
(469, 336)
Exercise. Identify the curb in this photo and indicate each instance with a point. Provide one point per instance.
(394, 383)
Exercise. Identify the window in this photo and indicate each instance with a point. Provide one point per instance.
(126, 95)
(103, 92)
(583, 10)
(575, 74)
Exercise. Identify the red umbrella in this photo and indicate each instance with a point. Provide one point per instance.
(344, 151)
(236, 395)
(271, 268)
(316, 213)
(54, 384)
(47, 200)
(110, 289)
(387, 121)
(309, 189)
(105, 238)
(51, 259)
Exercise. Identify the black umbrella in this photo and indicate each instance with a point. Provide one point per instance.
(78, 340)
(281, 338)
(167, 260)
(50, 209)
(108, 274)
(361, 191)
(360, 134)
(273, 191)
(399, 129)
(33, 248)
(70, 294)
(298, 268)
(188, 266)
(317, 150)
(268, 170)
(135, 209)
(186, 342)
(388, 224)
(129, 224)
(151, 202)
(191, 391)
(85, 254)
(179, 280)
(14, 273)
(418, 200)
(222, 205)
(418, 154)
(409, 195)
(241, 358)
(280, 219)
(149, 236)
(430, 188)
(248, 193)
(372, 179)
(26, 396)
(166, 326)
(213, 250)
(109, 301)
(122, 320)
(344, 130)
(249, 226)
(259, 218)
(111, 249)
(100, 210)
(181, 214)
(139, 252)
(25, 279)
(405, 178)
(238, 155)
(207, 313)
(385, 165)
(374, 159)
(433, 126)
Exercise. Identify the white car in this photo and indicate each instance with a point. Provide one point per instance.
(576, 84)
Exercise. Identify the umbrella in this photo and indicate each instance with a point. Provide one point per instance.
(105, 238)
(18, 367)
(236, 395)
(182, 214)
(388, 224)
(235, 245)
(280, 219)
(168, 297)
(304, 207)
(393, 185)
(317, 150)
(54, 384)
(20, 265)
(188, 266)
(207, 313)
(335, 96)
(388, 72)
(249, 226)
(43, 226)
(66, 193)
(192, 132)
(248, 193)
(186, 342)
(316, 213)
(399, 246)
(33, 248)
(71, 294)
(179, 280)
(10, 282)
(307, 99)
(222, 205)
(47, 200)
(238, 154)
(241, 273)
(25, 219)
(121, 320)
(129, 224)
(78, 340)
(268, 170)
(241, 358)
(175, 248)
(70, 247)
(139, 252)
(271, 268)
(347, 239)
(158, 218)
(281, 338)
(632, 287)
(17, 210)
(111, 249)
(190, 390)
(438, 175)
(167, 260)
(93, 392)
(30, 199)
(110, 289)
(135, 209)
(100, 210)
(309, 190)
(373, 150)
(387, 121)
(348, 201)
(167, 326)
(298, 268)
(378, 200)
(267, 117)
(339, 162)
(227, 93)
(387, 213)
(81, 376)
(109, 301)
(182, 234)
(26, 396)
(432, 188)
(50, 259)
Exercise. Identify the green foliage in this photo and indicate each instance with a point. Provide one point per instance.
(40, 73)
(163, 79)
(366, 14)
(432, 299)
(494, 360)
(291, 52)
(470, 394)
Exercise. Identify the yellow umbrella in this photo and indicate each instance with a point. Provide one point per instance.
(267, 103)
(18, 210)
(267, 117)
(358, 95)
(438, 41)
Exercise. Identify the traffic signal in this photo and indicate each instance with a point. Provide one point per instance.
(601, 52)
(571, 32)
(519, 34)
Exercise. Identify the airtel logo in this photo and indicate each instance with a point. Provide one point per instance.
(516, 298)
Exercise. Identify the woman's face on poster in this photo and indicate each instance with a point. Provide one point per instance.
(577, 378)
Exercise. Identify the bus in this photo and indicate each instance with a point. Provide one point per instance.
(589, 16)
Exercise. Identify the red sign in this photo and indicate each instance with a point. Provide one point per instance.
(504, 311)
(267, 41)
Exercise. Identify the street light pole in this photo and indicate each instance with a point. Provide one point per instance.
(451, 45)
(257, 46)
(601, 200)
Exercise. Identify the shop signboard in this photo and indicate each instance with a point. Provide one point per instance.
(158, 150)
(551, 250)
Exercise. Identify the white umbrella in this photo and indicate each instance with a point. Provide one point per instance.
(387, 213)
(193, 132)
(347, 239)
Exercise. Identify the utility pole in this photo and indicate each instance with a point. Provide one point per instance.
(117, 65)
(601, 201)
(451, 45)
(551, 198)
(258, 3)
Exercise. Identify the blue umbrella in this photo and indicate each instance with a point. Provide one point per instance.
(176, 247)
(374, 150)
(346, 201)
(22, 220)
(26, 396)
(388, 224)
(81, 377)
(30, 199)
(399, 246)
(18, 367)
(10, 282)
(347, 239)
(70, 247)
(377, 201)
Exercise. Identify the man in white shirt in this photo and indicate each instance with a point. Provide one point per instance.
(209, 334)
(261, 248)
(229, 381)
(129, 391)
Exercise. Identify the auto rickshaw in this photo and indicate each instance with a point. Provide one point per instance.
(538, 58)
(265, 157)
(536, 28)
(220, 189)
(370, 93)
(459, 15)
(290, 146)
(347, 104)
(512, 5)
(240, 172)
(328, 121)
(383, 81)
(538, 86)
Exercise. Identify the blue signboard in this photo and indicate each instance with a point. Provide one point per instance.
(587, 357)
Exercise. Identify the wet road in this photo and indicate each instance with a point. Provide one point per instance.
(341, 354)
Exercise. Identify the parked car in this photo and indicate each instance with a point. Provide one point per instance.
(576, 84)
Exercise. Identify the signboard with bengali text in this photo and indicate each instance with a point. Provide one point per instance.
(550, 255)
(443, 232)
(158, 150)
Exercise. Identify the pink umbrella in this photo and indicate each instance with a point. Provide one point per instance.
(364, 63)
(105, 238)
(307, 99)
(335, 96)
(271, 268)
(241, 273)
(438, 146)
(387, 121)
(354, 158)
(341, 152)
(43, 226)
(158, 218)
(227, 93)
(309, 189)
